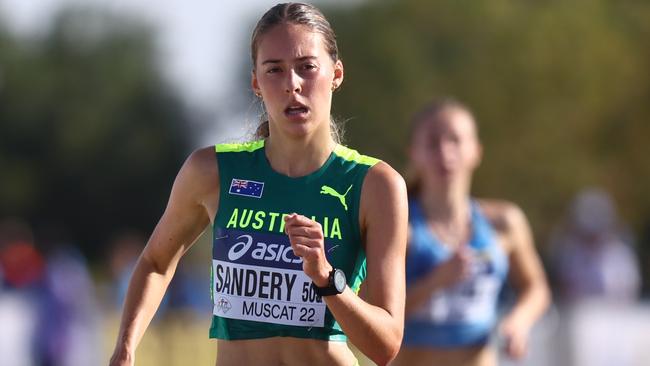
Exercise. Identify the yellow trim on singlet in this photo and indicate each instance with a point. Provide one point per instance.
(238, 147)
(341, 151)
(352, 155)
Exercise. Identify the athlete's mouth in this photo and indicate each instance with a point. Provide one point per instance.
(296, 109)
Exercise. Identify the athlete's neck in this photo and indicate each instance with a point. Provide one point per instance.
(447, 211)
(298, 157)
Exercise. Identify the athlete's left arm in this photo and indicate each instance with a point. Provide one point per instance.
(376, 326)
(528, 278)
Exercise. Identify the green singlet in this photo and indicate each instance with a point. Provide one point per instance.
(258, 286)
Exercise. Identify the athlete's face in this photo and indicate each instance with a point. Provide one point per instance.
(295, 76)
(446, 147)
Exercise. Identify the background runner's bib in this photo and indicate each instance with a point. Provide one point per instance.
(463, 314)
(258, 286)
(470, 302)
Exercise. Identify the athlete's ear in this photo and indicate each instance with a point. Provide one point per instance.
(255, 85)
(479, 154)
(338, 75)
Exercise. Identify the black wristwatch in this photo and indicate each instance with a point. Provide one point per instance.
(336, 283)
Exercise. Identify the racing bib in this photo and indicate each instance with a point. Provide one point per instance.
(256, 276)
(470, 301)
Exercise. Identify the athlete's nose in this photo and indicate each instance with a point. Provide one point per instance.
(447, 152)
(293, 83)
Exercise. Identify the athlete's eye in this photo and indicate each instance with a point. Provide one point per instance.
(273, 70)
(454, 139)
(309, 67)
(433, 142)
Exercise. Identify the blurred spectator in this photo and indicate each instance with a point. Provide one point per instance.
(18, 322)
(592, 256)
(22, 268)
(20, 262)
(48, 313)
(69, 333)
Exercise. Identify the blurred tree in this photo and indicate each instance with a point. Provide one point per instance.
(91, 135)
(560, 90)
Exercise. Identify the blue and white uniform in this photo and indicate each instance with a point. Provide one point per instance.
(464, 314)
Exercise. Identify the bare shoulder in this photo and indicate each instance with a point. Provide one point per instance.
(199, 177)
(202, 162)
(510, 222)
(383, 194)
(504, 215)
(382, 179)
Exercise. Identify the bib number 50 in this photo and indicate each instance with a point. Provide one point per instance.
(308, 293)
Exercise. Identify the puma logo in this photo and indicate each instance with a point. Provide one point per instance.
(329, 190)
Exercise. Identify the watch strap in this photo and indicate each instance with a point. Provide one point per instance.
(328, 290)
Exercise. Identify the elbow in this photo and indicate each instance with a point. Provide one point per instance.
(393, 351)
(539, 295)
(543, 291)
(156, 264)
(150, 264)
(384, 358)
(385, 354)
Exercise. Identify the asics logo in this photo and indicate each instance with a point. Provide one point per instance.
(327, 190)
(262, 251)
(240, 248)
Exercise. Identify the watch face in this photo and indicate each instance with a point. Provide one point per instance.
(339, 280)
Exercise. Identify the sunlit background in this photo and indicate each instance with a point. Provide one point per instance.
(101, 101)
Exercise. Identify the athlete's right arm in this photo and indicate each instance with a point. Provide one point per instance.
(192, 202)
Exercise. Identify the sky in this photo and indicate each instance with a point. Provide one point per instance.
(202, 45)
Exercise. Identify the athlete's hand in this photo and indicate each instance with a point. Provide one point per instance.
(515, 336)
(455, 269)
(307, 241)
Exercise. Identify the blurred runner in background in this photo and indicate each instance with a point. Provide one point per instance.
(461, 250)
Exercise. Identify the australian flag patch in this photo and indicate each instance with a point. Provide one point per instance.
(249, 188)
